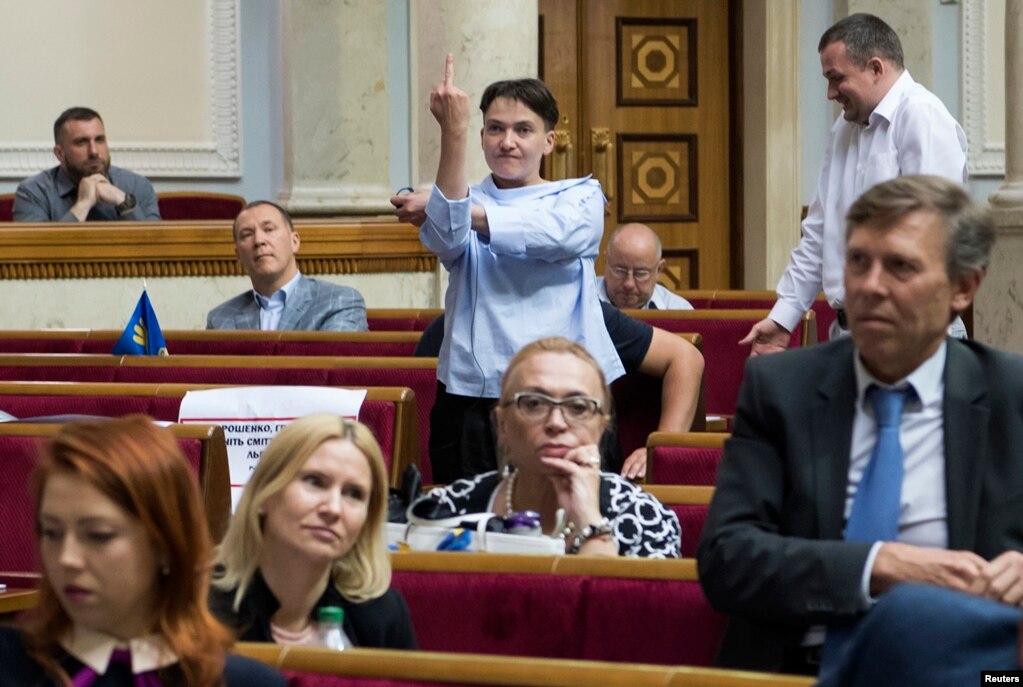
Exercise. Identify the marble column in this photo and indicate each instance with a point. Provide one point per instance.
(491, 40)
(1010, 195)
(771, 131)
(998, 311)
(335, 92)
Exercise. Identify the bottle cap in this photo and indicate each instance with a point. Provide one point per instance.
(331, 614)
(523, 522)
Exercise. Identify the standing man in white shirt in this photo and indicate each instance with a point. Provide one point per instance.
(890, 126)
(633, 264)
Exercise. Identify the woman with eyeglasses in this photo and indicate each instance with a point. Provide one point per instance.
(552, 411)
(126, 557)
(309, 533)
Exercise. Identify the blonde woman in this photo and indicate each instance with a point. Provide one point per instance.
(309, 533)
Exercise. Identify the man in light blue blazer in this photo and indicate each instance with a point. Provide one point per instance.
(282, 298)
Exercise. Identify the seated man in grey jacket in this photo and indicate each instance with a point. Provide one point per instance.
(266, 242)
(84, 186)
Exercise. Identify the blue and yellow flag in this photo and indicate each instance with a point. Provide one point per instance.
(143, 335)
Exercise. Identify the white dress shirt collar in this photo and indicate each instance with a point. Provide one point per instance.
(890, 102)
(94, 648)
(271, 308)
(927, 380)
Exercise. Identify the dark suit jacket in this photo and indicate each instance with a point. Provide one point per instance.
(772, 553)
(314, 306)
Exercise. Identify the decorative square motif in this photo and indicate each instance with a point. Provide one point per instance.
(658, 177)
(656, 61)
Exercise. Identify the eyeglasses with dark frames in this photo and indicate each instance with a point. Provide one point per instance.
(537, 407)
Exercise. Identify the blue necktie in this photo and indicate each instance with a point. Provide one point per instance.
(875, 508)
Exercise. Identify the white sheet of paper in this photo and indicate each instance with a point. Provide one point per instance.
(252, 415)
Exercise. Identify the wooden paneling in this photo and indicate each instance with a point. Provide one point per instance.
(198, 249)
(645, 88)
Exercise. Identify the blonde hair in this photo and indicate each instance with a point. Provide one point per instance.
(361, 574)
(557, 344)
(554, 344)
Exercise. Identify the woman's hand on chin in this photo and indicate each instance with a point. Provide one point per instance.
(576, 481)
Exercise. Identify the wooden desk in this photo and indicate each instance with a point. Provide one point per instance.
(15, 599)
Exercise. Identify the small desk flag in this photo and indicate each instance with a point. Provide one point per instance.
(143, 335)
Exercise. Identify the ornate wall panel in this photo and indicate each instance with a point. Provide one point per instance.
(198, 249)
(658, 178)
(203, 136)
(983, 85)
(656, 61)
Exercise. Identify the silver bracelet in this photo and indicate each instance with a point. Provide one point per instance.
(598, 529)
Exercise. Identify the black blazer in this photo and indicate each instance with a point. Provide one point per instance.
(381, 623)
(772, 553)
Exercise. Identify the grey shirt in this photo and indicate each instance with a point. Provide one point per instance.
(49, 195)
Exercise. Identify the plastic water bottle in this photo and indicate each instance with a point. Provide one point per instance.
(332, 636)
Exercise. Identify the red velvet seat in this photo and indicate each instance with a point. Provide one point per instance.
(42, 345)
(738, 299)
(690, 504)
(623, 610)
(19, 450)
(724, 358)
(687, 458)
(6, 207)
(185, 205)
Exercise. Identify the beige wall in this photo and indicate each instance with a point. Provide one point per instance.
(163, 75)
(180, 303)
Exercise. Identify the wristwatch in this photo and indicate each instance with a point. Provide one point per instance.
(126, 205)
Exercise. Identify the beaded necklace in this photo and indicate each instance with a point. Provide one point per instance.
(509, 491)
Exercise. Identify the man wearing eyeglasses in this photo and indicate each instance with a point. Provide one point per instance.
(633, 263)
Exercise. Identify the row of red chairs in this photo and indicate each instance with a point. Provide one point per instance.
(183, 205)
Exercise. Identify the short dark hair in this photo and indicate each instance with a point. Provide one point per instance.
(533, 93)
(76, 114)
(864, 36)
(970, 228)
(284, 214)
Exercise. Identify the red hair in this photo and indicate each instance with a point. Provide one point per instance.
(139, 467)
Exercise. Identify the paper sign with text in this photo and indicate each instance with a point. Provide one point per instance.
(252, 415)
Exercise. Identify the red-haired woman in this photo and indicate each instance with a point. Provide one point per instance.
(126, 558)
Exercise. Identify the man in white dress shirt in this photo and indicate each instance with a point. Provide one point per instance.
(633, 263)
(890, 125)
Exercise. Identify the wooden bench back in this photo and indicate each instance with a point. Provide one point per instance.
(389, 411)
(307, 667)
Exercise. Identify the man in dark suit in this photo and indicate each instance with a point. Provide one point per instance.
(773, 553)
(282, 298)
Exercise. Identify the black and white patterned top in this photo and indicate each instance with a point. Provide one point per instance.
(643, 526)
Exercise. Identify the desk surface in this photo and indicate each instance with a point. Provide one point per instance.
(15, 599)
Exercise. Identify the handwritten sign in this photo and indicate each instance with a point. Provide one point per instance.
(253, 415)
